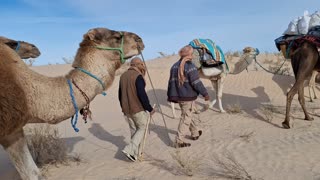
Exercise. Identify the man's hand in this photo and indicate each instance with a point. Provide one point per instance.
(207, 98)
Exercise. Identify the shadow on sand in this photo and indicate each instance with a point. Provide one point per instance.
(249, 105)
(119, 141)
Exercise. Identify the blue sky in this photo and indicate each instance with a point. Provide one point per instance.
(57, 26)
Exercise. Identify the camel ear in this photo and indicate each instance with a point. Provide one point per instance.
(93, 35)
(12, 44)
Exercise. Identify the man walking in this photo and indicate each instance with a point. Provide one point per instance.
(135, 105)
(184, 86)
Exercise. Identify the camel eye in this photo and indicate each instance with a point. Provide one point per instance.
(119, 37)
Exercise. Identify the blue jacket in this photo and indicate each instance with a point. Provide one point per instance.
(191, 87)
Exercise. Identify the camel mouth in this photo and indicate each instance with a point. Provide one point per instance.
(128, 57)
(35, 55)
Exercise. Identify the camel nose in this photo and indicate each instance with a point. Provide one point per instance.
(139, 43)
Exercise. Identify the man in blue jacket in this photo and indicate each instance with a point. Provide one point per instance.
(184, 87)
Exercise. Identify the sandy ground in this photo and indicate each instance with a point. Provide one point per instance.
(261, 146)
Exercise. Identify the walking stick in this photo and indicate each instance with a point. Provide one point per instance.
(144, 137)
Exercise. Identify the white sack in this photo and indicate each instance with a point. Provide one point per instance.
(292, 28)
(315, 19)
(303, 23)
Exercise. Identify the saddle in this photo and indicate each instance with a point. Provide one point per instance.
(206, 59)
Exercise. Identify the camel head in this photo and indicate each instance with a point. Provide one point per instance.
(122, 45)
(24, 49)
(249, 54)
(251, 50)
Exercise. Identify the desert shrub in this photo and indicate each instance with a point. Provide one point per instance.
(47, 147)
(234, 108)
(268, 111)
(228, 167)
(186, 164)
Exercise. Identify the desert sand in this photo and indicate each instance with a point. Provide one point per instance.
(258, 143)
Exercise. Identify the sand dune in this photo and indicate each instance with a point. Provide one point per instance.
(262, 147)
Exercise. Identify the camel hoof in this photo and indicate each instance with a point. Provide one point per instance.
(309, 119)
(222, 111)
(285, 125)
(197, 112)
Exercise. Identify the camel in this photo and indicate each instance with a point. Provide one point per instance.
(304, 61)
(217, 80)
(24, 49)
(29, 97)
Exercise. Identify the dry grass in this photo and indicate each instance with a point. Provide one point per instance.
(247, 136)
(47, 147)
(228, 167)
(234, 108)
(186, 164)
(268, 111)
(284, 70)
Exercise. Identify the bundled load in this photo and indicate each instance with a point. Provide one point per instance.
(301, 29)
(303, 24)
(208, 56)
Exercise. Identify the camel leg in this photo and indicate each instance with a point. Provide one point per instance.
(214, 98)
(298, 86)
(311, 85)
(302, 103)
(173, 110)
(314, 92)
(310, 96)
(290, 95)
(16, 146)
(219, 93)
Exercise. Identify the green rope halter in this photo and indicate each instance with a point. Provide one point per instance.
(120, 49)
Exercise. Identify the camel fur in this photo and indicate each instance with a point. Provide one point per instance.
(217, 81)
(304, 60)
(29, 97)
(25, 50)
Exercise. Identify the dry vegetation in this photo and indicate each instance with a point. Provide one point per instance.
(281, 66)
(268, 111)
(186, 164)
(47, 147)
(247, 136)
(228, 167)
(234, 108)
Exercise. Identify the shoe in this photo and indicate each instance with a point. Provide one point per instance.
(197, 137)
(182, 145)
(130, 157)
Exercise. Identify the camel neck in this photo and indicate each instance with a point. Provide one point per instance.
(93, 76)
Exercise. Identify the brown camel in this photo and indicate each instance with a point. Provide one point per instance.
(24, 49)
(218, 76)
(29, 97)
(304, 60)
